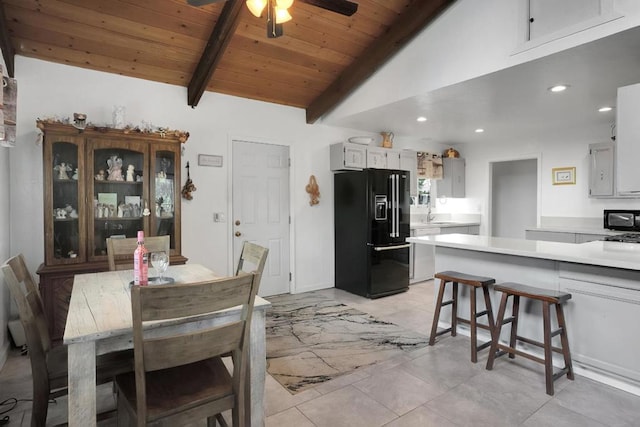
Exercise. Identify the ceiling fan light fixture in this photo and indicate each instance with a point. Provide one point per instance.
(284, 4)
(256, 7)
(282, 15)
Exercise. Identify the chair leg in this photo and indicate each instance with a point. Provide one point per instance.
(454, 310)
(565, 341)
(495, 332)
(473, 326)
(515, 312)
(548, 354)
(436, 315)
(40, 406)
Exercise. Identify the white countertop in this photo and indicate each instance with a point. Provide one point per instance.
(606, 254)
(600, 231)
(441, 224)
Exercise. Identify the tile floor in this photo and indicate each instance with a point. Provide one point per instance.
(433, 386)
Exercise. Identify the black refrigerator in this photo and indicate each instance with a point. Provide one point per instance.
(371, 215)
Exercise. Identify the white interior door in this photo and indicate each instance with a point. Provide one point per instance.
(261, 208)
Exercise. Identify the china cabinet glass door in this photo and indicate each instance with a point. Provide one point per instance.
(65, 207)
(118, 182)
(165, 190)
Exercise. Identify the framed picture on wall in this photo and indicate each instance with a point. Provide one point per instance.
(563, 176)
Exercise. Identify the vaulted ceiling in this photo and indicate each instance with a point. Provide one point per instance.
(221, 47)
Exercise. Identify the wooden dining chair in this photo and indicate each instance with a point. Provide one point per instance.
(179, 375)
(48, 363)
(252, 259)
(120, 251)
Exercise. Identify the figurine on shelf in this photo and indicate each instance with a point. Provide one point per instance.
(62, 170)
(75, 174)
(131, 172)
(100, 175)
(115, 169)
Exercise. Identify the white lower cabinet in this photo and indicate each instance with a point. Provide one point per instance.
(560, 236)
(602, 318)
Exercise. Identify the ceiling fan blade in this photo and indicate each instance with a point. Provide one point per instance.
(343, 7)
(197, 3)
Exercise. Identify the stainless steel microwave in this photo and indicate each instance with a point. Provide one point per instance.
(625, 220)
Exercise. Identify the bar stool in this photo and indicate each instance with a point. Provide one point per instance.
(547, 298)
(474, 282)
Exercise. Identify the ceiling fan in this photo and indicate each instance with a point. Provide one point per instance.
(277, 10)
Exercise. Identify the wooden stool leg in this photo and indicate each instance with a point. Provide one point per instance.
(454, 310)
(473, 326)
(548, 355)
(514, 325)
(487, 305)
(565, 341)
(495, 332)
(436, 315)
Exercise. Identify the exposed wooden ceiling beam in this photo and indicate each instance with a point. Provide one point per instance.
(213, 52)
(410, 23)
(343, 7)
(8, 52)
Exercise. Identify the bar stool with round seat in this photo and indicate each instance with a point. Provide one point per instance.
(473, 282)
(548, 298)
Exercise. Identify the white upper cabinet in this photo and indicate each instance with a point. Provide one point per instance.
(452, 185)
(347, 156)
(601, 161)
(393, 159)
(628, 141)
(377, 158)
(409, 162)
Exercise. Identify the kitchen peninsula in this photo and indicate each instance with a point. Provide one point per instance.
(603, 278)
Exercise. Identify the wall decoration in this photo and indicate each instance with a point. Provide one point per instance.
(189, 186)
(209, 160)
(313, 190)
(563, 176)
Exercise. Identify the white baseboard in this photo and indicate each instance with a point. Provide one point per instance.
(316, 287)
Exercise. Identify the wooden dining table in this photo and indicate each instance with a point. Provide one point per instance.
(99, 321)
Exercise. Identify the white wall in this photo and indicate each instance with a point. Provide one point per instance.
(514, 197)
(470, 39)
(5, 170)
(48, 90)
(555, 200)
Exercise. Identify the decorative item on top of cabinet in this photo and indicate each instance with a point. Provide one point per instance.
(451, 152)
(387, 139)
(81, 212)
(429, 165)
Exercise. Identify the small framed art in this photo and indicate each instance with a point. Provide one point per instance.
(564, 176)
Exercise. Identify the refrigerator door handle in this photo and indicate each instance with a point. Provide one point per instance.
(392, 179)
(390, 248)
(397, 205)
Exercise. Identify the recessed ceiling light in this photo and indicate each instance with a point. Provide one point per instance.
(479, 130)
(558, 88)
(422, 119)
(605, 109)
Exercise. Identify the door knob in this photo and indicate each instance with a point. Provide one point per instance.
(237, 222)
(238, 234)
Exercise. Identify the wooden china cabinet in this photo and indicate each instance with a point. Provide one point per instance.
(99, 183)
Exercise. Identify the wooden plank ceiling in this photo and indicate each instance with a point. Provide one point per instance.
(322, 57)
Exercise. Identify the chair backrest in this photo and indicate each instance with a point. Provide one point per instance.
(166, 302)
(120, 251)
(252, 259)
(32, 316)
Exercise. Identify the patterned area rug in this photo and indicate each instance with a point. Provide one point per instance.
(312, 339)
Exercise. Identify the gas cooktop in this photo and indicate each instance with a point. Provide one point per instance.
(626, 237)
